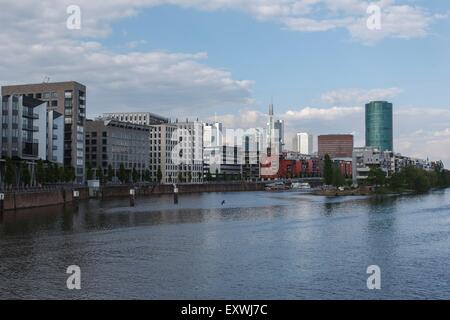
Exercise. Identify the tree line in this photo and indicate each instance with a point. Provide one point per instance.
(18, 174)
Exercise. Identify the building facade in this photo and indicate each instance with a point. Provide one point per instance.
(379, 125)
(336, 145)
(68, 99)
(187, 153)
(275, 134)
(24, 133)
(162, 143)
(110, 143)
(303, 143)
(145, 118)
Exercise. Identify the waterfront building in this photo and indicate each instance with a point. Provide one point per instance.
(335, 145)
(68, 99)
(275, 134)
(379, 125)
(252, 151)
(289, 168)
(364, 159)
(187, 154)
(220, 160)
(110, 143)
(163, 141)
(303, 143)
(29, 131)
(145, 118)
(345, 166)
(55, 137)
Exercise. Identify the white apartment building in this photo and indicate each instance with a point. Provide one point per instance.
(162, 143)
(303, 143)
(187, 154)
(29, 131)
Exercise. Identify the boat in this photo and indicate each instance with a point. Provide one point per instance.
(301, 186)
(276, 186)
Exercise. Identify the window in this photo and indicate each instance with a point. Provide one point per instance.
(54, 103)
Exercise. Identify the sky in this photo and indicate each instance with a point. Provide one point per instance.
(227, 60)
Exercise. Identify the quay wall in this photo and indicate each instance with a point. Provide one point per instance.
(41, 198)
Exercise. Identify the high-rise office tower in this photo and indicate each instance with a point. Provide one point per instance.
(275, 133)
(303, 143)
(379, 125)
(68, 99)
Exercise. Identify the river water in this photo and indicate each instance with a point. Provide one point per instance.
(257, 245)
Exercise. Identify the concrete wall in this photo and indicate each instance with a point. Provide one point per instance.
(22, 200)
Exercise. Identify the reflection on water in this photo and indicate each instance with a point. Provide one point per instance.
(257, 245)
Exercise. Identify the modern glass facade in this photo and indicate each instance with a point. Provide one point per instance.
(379, 125)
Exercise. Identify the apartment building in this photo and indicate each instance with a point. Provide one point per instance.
(187, 154)
(68, 99)
(162, 143)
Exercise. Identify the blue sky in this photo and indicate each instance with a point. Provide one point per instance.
(227, 60)
(291, 67)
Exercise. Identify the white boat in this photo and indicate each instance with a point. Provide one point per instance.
(301, 186)
(276, 186)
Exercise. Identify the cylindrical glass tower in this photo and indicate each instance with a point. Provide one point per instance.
(379, 125)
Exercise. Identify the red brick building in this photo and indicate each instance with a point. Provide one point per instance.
(296, 169)
(336, 145)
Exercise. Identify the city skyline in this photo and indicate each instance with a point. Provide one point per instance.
(187, 59)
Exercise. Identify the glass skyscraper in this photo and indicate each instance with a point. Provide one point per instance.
(379, 125)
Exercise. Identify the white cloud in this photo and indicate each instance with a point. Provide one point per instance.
(328, 114)
(443, 133)
(34, 43)
(358, 96)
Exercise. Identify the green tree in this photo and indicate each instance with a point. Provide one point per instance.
(89, 172)
(122, 175)
(189, 177)
(100, 174)
(159, 175)
(377, 177)
(25, 175)
(59, 173)
(135, 175)
(40, 172)
(180, 177)
(397, 181)
(10, 172)
(69, 174)
(110, 172)
(328, 170)
(338, 178)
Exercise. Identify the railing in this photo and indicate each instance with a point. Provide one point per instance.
(30, 115)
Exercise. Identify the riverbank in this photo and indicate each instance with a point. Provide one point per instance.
(366, 191)
(17, 200)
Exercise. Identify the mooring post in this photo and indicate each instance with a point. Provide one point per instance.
(175, 194)
(132, 197)
(2, 203)
(76, 198)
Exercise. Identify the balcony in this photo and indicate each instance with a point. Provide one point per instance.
(30, 115)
